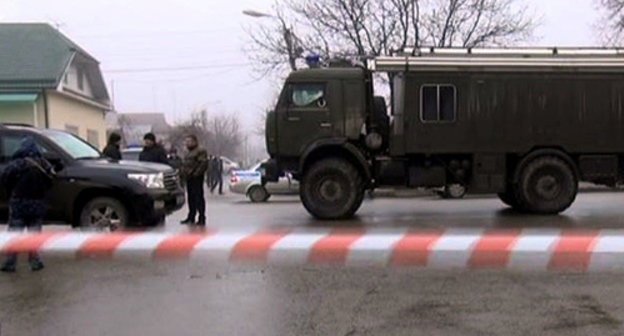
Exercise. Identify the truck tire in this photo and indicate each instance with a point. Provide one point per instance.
(258, 194)
(454, 191)
(332, 189)
(509, 198)
(104, 214)
(548, 185)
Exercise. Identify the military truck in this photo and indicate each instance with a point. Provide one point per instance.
(526, 124)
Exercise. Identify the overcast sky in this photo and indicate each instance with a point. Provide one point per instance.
(177, 56)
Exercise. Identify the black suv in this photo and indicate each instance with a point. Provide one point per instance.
(92, 191)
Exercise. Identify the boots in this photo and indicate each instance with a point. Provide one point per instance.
(9, 265)
(35, 262)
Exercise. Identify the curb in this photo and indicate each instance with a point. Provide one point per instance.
(453, 249)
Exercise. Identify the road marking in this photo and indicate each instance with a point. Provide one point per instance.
(256, 247)
(177, 246)
(533, 249)
(608, 251)
(527, 250)
(573, 250)
(102, 245)
(334, 248)
(140, 245)
(373, 249)
(453, 249)
(30, 242)
(218, 246)
(293, 249)
(414, 248)
(493, 249)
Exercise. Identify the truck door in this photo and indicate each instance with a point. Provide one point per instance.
(305, 115)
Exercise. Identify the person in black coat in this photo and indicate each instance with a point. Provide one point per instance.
(112, 147)
(26, 179)
(153, 152)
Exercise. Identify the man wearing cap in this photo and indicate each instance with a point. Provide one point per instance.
(152, 151)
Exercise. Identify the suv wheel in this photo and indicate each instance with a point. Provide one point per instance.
(258, 194)
(332, 189)
(547, 186)
(104, 214)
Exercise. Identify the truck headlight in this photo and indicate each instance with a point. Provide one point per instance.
(151, 181)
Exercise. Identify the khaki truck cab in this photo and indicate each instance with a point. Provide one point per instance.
(526, 124)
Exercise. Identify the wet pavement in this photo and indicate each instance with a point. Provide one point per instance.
(132, 297)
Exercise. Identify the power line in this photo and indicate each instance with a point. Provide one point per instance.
(182, 68)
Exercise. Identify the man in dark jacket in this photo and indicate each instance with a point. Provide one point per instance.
(27, 178)
(152, 152)
(112, 147)
(193, 170)
(217, 174)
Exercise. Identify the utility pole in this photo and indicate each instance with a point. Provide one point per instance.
(289, 37)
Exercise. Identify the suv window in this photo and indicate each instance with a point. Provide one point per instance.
(9, 144)
(308, 95)
(438, 103)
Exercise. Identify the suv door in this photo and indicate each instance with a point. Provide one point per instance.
(304, 115)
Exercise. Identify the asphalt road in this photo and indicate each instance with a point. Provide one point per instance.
(127, 297)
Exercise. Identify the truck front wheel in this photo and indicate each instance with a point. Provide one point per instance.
(332, 189)
(547, 185)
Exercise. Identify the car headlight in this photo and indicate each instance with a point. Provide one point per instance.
(152, 181)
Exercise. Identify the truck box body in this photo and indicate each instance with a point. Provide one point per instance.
(515, 112)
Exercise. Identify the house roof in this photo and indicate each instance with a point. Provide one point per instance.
(35, 56)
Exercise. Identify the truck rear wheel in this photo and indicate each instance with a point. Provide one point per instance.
(547, 185)
(332, 189)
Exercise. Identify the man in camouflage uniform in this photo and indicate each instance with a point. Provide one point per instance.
(27, 178)
(193, 171)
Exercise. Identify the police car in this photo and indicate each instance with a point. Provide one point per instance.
(248, 182)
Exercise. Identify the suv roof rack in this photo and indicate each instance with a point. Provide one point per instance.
(4, 125)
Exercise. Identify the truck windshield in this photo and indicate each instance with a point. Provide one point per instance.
(73, 145)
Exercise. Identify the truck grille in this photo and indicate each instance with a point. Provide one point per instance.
(172, 181)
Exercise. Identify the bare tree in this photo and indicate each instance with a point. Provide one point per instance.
(219, 134)
(611, 24)
(339, 29)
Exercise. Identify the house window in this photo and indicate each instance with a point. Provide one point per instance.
(93, 138)
(72, 129)
(308, 95)
(438, 103)
(80, 78)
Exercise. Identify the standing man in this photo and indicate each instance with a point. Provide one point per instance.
(112, 150)
(209, 175)
(193, 170)
(152, 151)
(217, 175)
(27, 178)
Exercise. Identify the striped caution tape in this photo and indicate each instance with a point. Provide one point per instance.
(530, 250)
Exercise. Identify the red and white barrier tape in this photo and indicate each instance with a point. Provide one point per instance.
(532, 250)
